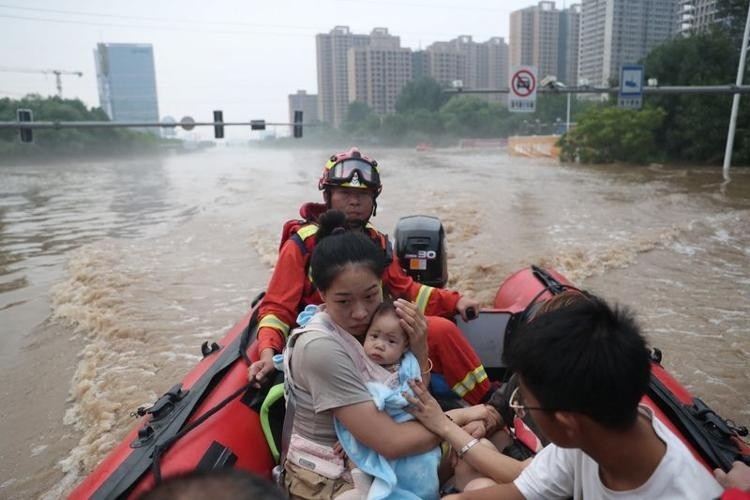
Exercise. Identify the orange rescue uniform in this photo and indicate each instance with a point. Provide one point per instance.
(291, 289)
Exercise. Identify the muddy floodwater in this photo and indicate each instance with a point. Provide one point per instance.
(113, 273)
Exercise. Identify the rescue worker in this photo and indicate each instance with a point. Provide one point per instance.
(351, 183)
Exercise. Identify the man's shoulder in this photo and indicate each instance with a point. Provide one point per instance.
(694, 479)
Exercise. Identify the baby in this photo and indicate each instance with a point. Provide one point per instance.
(415, 476)
(386, 342)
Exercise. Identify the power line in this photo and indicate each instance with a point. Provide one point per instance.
(161, 28)
(193, 30)
(153, 19)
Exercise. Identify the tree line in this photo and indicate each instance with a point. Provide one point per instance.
(673, 128)
(68, 141)
(670, 128)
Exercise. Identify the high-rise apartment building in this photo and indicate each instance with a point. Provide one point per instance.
(478, 65)
(379, 71)
(695, 16)
(374, 68)
(333, 77)
(617, 32)
(307, 103)
(568, 46)
(127, 81)
(445, 64)
(547, 38)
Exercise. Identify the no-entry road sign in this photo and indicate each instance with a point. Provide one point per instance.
(523, 90)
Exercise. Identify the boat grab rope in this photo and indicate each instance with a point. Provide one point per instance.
(161, 448)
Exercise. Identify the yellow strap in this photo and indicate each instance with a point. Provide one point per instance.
(470, 381)
(423, 297)
(272, 321)
(306, 231)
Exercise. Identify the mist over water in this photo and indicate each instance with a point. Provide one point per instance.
(113, 273)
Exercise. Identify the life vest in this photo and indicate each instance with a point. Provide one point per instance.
(304, 234)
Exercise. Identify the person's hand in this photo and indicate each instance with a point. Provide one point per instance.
(493, 421)
(259, 371)
(466, 303)
(426, 409)
(486, 414)
(475, 428)
(737, 477)
(414, 325)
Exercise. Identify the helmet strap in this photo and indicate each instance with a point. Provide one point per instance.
(374, 206)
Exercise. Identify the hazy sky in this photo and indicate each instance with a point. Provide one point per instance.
(244, 57)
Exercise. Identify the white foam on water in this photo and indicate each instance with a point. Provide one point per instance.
(94, 300)
(38, 450)
(7, 483)
(266, 245)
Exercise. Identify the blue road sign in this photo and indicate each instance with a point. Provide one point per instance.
(631, 86)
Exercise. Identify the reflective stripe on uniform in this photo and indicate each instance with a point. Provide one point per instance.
(272, 321)
(477, 376)
(423, 297)
(306, 231)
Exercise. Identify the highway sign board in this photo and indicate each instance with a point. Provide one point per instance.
(523, 85)
(631, 86)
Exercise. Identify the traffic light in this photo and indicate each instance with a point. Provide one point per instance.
(257, 124)
(297, 124)
(25, 115)
(218, 129)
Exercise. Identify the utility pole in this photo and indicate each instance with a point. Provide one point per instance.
(57, 72)
(736, 99)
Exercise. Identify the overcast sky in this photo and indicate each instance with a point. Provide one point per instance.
(244, 57)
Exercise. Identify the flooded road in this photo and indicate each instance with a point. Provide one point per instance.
(113, 273)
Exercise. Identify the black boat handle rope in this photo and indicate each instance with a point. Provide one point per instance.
(161, 448)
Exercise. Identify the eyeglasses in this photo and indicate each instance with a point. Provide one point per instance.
(353, 172)
(516, 402)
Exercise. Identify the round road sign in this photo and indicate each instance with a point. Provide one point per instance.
(187, 123)
(523, 83)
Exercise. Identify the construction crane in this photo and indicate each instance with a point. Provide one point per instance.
(57, 72)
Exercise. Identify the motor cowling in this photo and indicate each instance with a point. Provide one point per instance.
(420, 247)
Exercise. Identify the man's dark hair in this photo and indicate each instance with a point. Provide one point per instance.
(338, 247)
(225, 484)
(585, 357)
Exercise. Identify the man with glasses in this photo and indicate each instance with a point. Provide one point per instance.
(583, 369)
(351, 183)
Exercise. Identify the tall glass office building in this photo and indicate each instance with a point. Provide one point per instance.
(127, 81)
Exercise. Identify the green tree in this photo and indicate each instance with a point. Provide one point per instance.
(395, 128)
(733, 14)
(360, 121)
(421, 94)
(469, 116)
(49, 143)
(608, 134)
(356, 113)
(695, 126)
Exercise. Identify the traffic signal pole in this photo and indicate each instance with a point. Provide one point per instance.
(736, 99)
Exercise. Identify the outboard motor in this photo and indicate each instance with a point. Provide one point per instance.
(420, 246)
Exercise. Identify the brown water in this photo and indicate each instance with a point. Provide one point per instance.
(113, 273)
